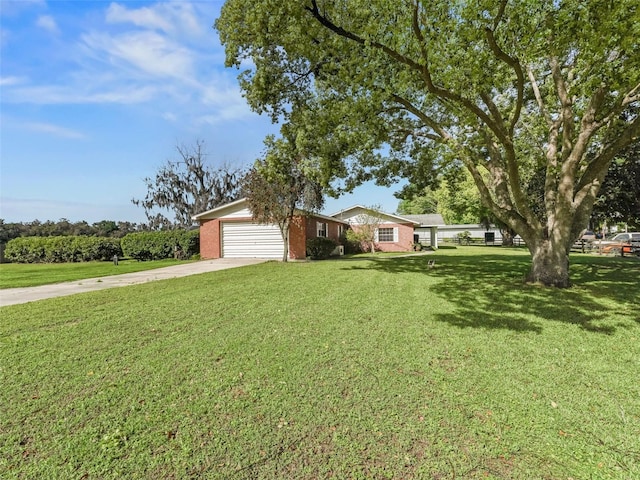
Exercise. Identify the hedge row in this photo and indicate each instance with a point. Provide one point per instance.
(159, 245)
(61, 249)
(139, 246)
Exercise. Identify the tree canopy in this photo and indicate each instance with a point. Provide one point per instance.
(504, 88)
(187, 187)
(280, 185)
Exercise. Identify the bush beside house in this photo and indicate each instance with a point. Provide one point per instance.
(320, 247)
(160, 245)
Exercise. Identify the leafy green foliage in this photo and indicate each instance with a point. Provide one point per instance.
(320, 247)
(417, 202)
(281, 185)
(161, 245)
(503, 88)
(619, 199)
(60, 249)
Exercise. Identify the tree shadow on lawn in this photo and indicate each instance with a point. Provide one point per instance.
(488, 290)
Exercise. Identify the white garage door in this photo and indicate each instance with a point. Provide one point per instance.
(248, 239)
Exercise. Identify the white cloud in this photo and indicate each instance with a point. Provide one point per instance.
(10, 81)
(55, 130)
(169, 17)
(48, 23)
(135, 56)
(80, 94)
(146, 51)
(147, 17)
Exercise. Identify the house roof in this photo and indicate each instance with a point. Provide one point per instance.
(242, 203)
(347, 212)
(218, 211)
(427, 220)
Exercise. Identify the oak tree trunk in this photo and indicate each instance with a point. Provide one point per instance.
(549, 265)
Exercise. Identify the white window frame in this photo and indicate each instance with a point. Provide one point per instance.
(322, 229)
(394, 234)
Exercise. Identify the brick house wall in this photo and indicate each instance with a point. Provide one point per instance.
(301, 229)
(404, 241)
(405, 238)
(298, 239)
(210, 239)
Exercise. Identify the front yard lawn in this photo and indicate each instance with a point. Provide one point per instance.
(351, 368)
(13, 275)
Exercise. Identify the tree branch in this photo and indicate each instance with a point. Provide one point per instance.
(512, 62)
(601, 163)
(438, 91)
(422, 116)
(536, 92)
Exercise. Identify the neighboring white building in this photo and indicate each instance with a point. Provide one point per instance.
(450, 232)
(427, 233)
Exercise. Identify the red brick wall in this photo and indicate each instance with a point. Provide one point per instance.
(210, 239)
(301, 229)
(298, 239)
(405, 238)
(333, 231)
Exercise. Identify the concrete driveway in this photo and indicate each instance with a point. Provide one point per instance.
(14, 296)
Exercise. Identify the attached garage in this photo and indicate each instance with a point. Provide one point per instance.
(249, 239)
(229, 231)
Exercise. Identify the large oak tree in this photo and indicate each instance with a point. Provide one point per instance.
(507, 88)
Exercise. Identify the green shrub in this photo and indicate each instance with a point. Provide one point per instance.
(160, 245)
(320, 247)
(61, 249)
(350, 246)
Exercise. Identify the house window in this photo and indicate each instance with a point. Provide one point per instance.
(341, 230)
(385, 235)
(322, 229)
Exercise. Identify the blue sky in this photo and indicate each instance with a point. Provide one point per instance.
(96, 95)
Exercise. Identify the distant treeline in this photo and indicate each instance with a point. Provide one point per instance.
(63, 227)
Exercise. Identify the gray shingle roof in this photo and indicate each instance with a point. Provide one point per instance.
(426, 220)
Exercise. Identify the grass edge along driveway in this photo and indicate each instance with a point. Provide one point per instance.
(364, 368)
(19, 275)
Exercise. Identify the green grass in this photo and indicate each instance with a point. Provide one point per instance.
(356, 368)
(14, 275)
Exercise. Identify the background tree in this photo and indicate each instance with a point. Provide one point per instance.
(365, 228)
(619, 199)
(187, 187)
(504, 88)
(457, 199)
(417, 202)
(105, 228)
(281, 185)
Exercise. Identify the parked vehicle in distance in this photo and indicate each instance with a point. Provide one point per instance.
(588, 236)
(615, 244)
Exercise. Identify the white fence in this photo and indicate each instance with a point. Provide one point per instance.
(450, 232)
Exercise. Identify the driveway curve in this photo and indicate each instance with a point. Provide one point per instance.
(14, 296)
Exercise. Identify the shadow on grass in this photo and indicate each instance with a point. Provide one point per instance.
(488, 291)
